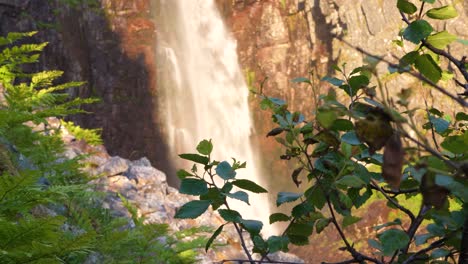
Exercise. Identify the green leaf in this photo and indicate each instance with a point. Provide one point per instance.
(441, 40)
(298, 240)
(213, 237)
(182, 174)
(456, 144)
(408, 59)
(302, 209)
(461, 116)
(249, 186)
(321, 224)
(278, 243)
(406, 7)
(287, 197)
(428, 67)
(351, 181)
(351, 138)
(393, 240)
(394, 222)
(301, 80)
(193, 186)
(301, 229)
(445, 12)
(463, 41)
(275, 132)
(349, 220)
(230, 215)
(335, 81)
(195, 158)
(225, 171)
(239, 195)
(252, 226)
(326, 117)
(422, 239)
(429, 1)
(205, 147)
(278, 217)
(192, 209)
(417, 31)
(215, 197)
(316, 197)
(260, 246)
(449, 182)
(357, 82)
(342, 125)
(440, 253)
(375, 244)
(440, 125)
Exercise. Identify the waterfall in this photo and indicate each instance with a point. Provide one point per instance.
(204, 95)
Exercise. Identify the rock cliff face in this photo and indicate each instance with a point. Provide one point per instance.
(108, 44)
(282, 40)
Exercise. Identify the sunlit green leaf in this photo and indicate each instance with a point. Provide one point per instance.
(406, 6)
(349, 220)
(326, 117)
(440, 40)
(428, 67)
(205, 147)
(445, 12)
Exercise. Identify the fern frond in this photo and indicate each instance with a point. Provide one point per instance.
(15, 36)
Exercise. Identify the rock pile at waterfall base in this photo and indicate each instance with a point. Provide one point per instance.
(147, 189)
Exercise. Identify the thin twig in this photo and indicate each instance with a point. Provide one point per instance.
(456, 98)
(256, 261)
(432, 126)
(432, 151)
(358, 257)
(415, 224)
(459, 63)
(396, 193)
(375, 185)
(433, 245)
(342, 262)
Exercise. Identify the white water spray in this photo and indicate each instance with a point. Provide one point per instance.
(205, 95)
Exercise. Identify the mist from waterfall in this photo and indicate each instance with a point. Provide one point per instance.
(204, 95)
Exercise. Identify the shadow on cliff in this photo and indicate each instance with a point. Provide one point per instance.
(112, 49)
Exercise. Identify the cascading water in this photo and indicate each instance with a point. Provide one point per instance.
(204, 92)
